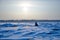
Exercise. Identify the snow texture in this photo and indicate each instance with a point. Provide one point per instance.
(28, 31)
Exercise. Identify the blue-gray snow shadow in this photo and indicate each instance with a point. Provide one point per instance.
(5, 33)
(29, 32)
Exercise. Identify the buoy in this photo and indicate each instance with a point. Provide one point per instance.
(36, 24)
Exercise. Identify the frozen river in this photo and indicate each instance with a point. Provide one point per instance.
(28, 31)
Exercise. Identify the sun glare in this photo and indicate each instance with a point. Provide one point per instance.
(25, 6)
(25, 9)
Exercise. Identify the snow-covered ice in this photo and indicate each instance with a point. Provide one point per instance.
(28, 31)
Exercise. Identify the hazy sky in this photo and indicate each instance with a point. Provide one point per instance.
(29, 9)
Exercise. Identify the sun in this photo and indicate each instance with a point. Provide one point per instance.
(25, 9)
(25, 6)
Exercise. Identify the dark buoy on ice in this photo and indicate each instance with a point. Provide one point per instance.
(36, 24)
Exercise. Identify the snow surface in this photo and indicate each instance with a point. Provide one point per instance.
(28, 31)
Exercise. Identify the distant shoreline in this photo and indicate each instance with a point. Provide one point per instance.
(29, 20)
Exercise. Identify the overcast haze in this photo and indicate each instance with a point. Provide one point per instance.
(30, 9)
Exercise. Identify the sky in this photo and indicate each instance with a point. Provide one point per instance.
(30, 9)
